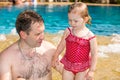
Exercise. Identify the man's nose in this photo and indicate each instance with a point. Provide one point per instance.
(41, 36)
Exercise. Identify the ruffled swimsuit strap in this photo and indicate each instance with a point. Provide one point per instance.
(92, 37)
(69, 30)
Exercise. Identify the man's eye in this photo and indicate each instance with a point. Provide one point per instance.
(37, 34)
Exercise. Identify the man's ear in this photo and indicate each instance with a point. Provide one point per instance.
(23, 34)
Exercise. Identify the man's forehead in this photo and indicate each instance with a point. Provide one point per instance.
(37, 27)
(37, 24)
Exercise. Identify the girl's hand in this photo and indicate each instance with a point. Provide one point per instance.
(54, 61)
(90, 75)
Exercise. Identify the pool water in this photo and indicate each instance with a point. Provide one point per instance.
(105, 19)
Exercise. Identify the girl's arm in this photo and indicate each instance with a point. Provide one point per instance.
(93, 45)
(60, 47)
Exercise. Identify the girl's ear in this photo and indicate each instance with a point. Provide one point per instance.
(86, 19)
(23, 34)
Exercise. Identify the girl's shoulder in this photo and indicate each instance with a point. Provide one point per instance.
(67, 31)
(91, 35)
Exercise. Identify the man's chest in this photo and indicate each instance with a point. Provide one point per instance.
(33, 69)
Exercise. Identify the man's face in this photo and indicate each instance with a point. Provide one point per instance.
(36, 35)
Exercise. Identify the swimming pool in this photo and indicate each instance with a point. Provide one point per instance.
(105, 19)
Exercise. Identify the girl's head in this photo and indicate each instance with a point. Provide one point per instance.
(80, 9)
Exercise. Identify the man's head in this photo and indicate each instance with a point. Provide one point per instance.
(26, 19)
(30, 27)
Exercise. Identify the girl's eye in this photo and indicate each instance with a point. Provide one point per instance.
(76, 21)
(70, 20)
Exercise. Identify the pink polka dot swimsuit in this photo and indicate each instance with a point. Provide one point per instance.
(76, 58)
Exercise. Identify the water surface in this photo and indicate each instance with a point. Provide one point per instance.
(105, 19)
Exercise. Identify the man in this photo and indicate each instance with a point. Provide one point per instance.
(30, 57)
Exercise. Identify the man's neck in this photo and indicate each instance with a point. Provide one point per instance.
(25, 49)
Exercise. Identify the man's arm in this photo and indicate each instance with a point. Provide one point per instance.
(5, 69)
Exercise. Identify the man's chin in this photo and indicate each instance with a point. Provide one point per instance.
(38, 45)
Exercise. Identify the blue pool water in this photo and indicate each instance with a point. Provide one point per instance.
(105, 19)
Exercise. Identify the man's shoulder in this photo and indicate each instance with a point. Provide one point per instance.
(47, 44)
(7, 55)
(46, 48)
(9, 50)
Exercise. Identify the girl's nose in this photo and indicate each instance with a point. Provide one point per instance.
(72, 23)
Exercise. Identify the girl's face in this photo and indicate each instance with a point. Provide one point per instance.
(75, 20)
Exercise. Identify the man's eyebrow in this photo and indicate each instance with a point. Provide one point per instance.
(39, 32)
